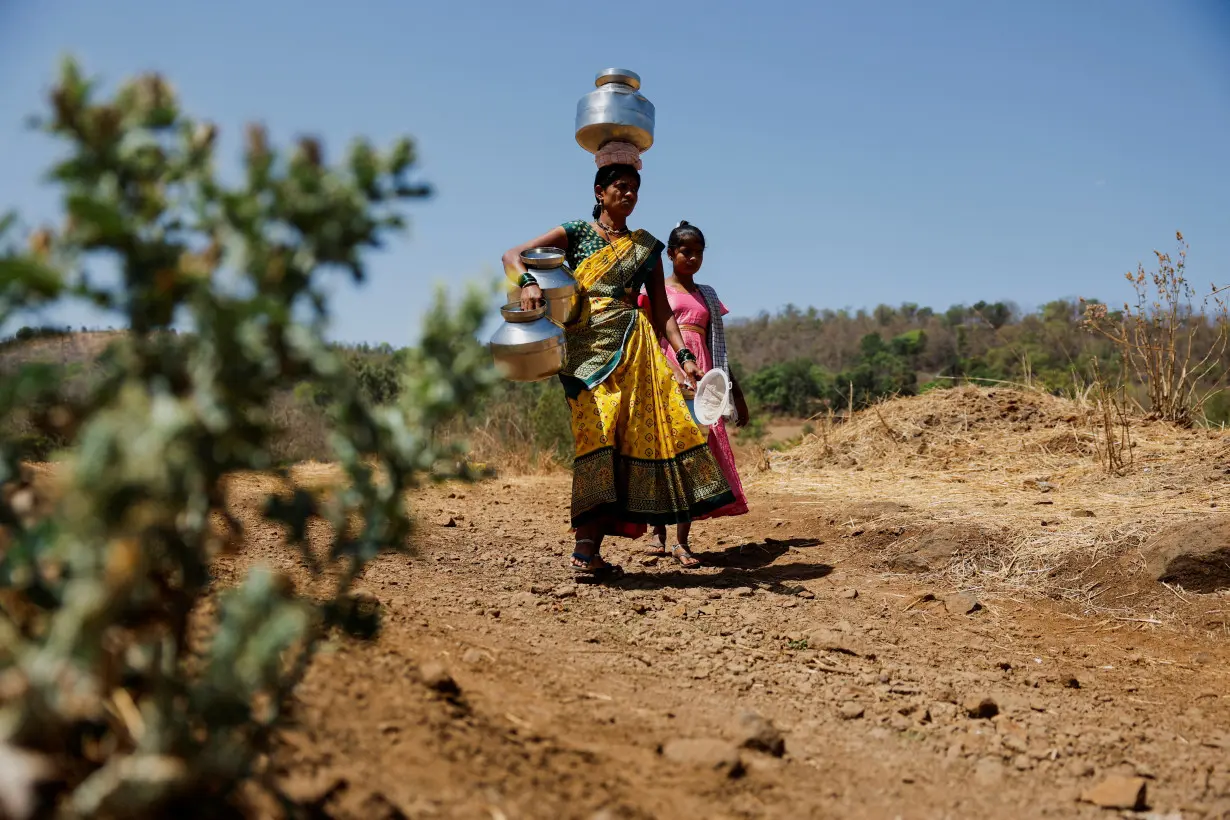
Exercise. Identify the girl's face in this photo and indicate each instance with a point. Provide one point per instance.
(687, 258)
(619, 198)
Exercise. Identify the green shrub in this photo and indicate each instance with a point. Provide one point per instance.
(792, 387)
(754, 431)
(99, 593)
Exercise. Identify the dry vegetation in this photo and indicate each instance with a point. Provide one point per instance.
(1170, 342)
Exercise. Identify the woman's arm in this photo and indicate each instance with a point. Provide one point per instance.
(531, 294)
(663, 318)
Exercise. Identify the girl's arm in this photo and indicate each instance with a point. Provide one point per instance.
(736, 391)
(740, 403)
(663, 318)
(531, 294)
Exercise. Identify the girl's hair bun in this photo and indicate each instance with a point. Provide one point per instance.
(684, 228)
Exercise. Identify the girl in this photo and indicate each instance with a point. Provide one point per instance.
(703, 335)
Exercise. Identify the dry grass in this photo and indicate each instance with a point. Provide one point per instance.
(1014, 473)
(510, 453)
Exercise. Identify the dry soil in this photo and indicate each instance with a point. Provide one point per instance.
(502, 688)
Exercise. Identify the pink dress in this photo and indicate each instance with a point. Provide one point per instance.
(693, 318)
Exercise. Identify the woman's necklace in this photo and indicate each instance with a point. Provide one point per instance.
(608, 230)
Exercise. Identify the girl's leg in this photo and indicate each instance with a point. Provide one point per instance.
(680, 551)
(657, 545)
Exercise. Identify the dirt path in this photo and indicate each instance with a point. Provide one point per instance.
(570, 694)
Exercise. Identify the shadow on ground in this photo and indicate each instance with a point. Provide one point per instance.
(742, 565)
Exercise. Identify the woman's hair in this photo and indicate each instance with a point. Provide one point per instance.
(607, 174)
(684, 230)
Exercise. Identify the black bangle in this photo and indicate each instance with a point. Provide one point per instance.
(684, 355)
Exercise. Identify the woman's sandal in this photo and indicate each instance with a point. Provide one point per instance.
(686, 554)
(602, 571)
(656, 547)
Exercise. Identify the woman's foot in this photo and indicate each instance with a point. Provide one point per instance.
(685, 558)
(585, 559)
(657, 543)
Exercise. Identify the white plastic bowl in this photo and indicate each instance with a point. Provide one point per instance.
(713, 397)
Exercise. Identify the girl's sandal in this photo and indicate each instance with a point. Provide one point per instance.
(686, 557)
(657, 547)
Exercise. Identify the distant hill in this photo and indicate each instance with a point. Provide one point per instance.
(76, 347)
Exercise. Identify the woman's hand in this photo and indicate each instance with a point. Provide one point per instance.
(685, 387)
(693, 372)
(531, 297)
(514, 266)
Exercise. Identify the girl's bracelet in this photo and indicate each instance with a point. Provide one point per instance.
(684, 355)
(526, 280)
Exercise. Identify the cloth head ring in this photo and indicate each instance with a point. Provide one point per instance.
(618, 153)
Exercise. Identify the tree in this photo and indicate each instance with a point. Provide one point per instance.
(996, 315)
(791, 387)
(99, 593)
(909, 344)
(955, 315)
(883, 369)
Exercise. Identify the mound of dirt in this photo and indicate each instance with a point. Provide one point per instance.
(1008, 488)
(943, 425)
(1194, 555)
(973, 408)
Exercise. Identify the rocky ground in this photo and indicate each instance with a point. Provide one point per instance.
(793, 676)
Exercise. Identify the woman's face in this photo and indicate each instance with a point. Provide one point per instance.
(619, 198)
(688, 257)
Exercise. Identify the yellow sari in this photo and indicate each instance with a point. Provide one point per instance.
(640, 458)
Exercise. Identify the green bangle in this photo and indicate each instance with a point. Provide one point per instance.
(526, 280)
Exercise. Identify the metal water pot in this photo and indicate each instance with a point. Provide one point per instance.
(528, 347)
(559, 286)
(616, 110)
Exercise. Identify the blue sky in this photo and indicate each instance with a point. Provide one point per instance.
(835, 154)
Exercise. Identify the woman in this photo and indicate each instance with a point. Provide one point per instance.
(640, 458)
(692, 306)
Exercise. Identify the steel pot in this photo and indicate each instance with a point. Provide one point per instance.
(615, 110)
(528, 347)
(559, 286)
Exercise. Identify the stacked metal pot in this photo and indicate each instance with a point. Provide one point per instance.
(529, 346)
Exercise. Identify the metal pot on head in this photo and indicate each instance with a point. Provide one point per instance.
(615, 110)
(528, 347)
(559, 286)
